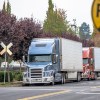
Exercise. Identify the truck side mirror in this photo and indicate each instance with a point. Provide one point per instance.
(24, 59)
(91, 61)
(55, 58)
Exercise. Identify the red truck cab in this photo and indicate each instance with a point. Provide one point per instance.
(88, 66)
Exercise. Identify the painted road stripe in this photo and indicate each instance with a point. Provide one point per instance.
(87, 93)
(45, 95)
(95, 87)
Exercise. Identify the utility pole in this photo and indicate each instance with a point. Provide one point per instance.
(74, 25)
(76, 29)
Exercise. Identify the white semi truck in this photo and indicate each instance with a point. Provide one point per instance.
(53, 60)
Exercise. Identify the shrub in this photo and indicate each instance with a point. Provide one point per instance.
(6, 76)
(17, 76)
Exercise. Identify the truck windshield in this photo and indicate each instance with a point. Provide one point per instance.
(39, 58)
(85, 61)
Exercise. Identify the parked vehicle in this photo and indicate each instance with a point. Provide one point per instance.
(53, 60)
(91, 63)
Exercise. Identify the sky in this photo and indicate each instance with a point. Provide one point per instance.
(75, 9)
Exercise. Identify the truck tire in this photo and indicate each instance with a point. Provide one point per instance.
(78, 77)
(89, 79)
(95, 76)
(63, 79)
(53, 82)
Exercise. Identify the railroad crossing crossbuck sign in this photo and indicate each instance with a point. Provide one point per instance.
(96, 14)
(6, 48)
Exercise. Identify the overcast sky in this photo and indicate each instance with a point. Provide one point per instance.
(76, 9)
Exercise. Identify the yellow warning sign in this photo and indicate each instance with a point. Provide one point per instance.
(96, 14)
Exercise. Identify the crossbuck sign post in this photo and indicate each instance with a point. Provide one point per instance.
(5, 50)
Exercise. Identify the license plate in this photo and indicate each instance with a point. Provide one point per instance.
(36, 80)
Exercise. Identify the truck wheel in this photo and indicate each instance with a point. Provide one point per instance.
(63, 80)
(95, 76)
(53, 82)
(89, 79)
(78, 77)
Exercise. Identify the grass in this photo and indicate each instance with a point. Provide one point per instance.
(11, 84)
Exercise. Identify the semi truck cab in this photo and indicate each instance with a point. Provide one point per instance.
(88, 63)
(42, 61)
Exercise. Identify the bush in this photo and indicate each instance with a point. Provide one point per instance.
(17, 76)
(6, 76)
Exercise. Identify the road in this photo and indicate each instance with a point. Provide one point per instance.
(84, 90)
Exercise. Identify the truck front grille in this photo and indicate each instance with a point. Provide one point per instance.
(36, 73)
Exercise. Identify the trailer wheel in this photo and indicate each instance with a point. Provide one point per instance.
(63, 79)
(95, 76)
(89, 79)
(78, 77)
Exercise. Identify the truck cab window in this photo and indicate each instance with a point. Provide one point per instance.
(85, 61)
(39, 58)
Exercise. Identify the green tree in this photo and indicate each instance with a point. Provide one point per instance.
(55, 21)
(60, 21)
(95, 31)
(8, 9)
(84, 31)
(96, 37)
(4, 7)
(48, 23)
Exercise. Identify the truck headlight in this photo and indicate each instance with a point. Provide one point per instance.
(47, 68)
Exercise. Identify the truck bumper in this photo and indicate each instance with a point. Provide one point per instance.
(37, 80)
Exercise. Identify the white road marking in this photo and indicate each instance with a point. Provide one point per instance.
(86, 93)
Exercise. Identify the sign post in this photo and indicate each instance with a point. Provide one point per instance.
(96, 14)
(5, 50)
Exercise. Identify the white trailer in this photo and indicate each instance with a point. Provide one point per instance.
(96, 59)
(71, 55)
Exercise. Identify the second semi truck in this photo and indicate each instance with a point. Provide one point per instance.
(91, 63)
